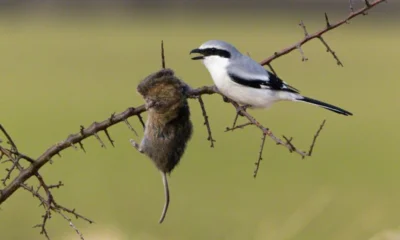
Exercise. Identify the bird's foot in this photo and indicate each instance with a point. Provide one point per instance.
(241, 109)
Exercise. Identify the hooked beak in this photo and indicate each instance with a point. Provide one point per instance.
(196, 50)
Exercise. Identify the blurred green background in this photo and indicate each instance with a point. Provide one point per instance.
(59, 71)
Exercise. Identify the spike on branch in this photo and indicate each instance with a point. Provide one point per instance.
(81, 145)
(101, 141)
(141, 120)
(328, 25)
(162, 55)
(130, 127)
(109, 137)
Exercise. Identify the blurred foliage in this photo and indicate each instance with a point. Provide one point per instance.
(60, 73)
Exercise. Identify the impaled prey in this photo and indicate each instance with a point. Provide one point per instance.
(168, 127)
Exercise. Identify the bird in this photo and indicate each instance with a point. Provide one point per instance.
(246, 82)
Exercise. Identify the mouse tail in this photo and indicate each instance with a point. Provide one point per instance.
(166, 192)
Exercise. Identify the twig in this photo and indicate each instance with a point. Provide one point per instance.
(206, 122)
(9, 139)
(50, 205)
(241, 126)
(303, 57)
(315, 137)
(266, 130)
(303, 26)
(292, 148)
(257, 164)
(329, 49)
(272, 69)
(319, 33)
(84, 133)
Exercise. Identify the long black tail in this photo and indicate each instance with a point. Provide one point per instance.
(325, 105)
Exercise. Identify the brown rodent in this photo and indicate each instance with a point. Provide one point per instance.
(168, 127)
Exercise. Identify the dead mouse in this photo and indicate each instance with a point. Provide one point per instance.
(168, 127)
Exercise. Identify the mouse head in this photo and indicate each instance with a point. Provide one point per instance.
(163, 91)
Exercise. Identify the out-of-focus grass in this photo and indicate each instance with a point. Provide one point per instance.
(57, 75)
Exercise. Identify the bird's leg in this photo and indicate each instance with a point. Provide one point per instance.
(136, 145)
(239, 110)
(226, 99)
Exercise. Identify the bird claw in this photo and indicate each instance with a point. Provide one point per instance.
(241, 109)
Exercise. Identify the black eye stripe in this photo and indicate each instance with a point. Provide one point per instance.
(215, 52)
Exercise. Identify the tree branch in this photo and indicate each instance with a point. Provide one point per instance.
(318, 34)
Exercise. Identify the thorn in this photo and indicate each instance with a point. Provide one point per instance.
(141, 120)
(111, 119)
(162, 55)
(109, 137)
(73, 146)
(99, 139)
(130, 126)
(367, 3)
(328, 25)
(82, 128)
(81, 145)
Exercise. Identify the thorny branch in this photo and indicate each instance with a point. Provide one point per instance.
(206, 122)
(10, 154)
(48, 201)
(318, 34)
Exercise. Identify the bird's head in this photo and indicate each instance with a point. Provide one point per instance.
(215, 53)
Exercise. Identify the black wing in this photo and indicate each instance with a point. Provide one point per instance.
(273, 83)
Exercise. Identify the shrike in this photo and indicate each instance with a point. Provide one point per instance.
(245, 81)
